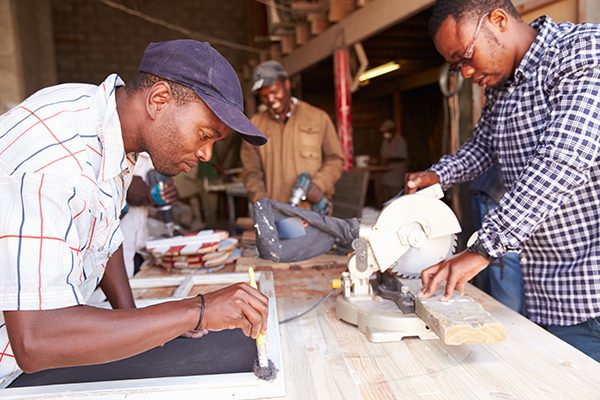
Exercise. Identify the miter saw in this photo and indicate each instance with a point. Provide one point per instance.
(413, 232)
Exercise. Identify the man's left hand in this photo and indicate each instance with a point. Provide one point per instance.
(314, 193)
(169, 192)
(456, 271)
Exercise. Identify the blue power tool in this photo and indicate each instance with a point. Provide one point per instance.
(299, 193)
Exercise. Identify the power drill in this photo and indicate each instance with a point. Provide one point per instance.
(157, 181)
(299, 193)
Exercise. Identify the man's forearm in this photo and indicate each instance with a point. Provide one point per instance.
(84, 335)
(115, 283)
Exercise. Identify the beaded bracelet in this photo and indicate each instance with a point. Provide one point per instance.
(201, 311)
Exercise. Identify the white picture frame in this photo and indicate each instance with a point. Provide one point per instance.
(218, 386)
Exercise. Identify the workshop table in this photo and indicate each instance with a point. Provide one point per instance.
(325, 358)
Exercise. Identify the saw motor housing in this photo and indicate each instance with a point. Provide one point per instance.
(411, 233)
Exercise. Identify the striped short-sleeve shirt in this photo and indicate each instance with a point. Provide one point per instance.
(542, 128)
(63, 177)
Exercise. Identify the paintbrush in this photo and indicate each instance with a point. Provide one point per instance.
(263, 367)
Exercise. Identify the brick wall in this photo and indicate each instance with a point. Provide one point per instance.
(93, 39)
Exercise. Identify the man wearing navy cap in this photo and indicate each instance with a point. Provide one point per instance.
(302, 139)
(67, 154)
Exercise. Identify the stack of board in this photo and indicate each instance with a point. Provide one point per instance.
(205, 251)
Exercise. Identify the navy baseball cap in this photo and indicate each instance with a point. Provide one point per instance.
(201, 68)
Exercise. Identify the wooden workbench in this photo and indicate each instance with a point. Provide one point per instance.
(324, 358)
(328, 359)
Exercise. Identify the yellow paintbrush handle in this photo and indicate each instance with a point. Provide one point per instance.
(252, 278)
(260, 339)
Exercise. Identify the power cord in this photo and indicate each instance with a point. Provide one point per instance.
(317, 304)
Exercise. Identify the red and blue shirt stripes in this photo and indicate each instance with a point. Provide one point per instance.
(63, 179)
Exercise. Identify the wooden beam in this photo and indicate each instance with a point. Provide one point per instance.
(275, 51)
(302, 33)
(318, 23)
(358, 26)
(288, 43)
(340, 9)
(461, 320)
(305, 7)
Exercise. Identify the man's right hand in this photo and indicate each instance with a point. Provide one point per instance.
(236, 306)
(419, 180)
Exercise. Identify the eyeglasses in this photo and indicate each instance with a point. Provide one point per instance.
(466, 59)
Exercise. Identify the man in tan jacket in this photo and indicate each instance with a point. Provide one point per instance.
(302, 138)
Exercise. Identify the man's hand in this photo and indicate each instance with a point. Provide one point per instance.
(419, 180)
(169, 193)
(314, 193)
(138, 194)
(456, 271)
(236, 306)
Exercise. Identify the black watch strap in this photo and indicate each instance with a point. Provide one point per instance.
(477, 248)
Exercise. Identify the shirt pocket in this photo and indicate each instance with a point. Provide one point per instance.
(311, 158)
(310, 135)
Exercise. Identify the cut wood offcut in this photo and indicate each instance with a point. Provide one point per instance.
(460, 320)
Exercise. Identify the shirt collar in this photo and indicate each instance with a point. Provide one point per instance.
(114, 160)
(546, 29)
(288, 115)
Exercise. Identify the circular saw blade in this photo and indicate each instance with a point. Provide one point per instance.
(414, 260)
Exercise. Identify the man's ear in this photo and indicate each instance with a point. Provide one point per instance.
(499, 18)
(159, 96)
(287, 85)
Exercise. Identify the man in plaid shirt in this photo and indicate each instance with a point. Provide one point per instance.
(541, 125)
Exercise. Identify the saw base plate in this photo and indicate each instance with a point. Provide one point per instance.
(381, 320)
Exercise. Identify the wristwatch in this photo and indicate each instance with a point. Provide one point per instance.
(476, 247)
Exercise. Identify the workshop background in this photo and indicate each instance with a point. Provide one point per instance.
(44, 42)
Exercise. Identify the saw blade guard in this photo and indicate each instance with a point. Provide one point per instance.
(419, 223)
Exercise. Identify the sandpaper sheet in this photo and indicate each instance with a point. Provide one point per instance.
(216, 353)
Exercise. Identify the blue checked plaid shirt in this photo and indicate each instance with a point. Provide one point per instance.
(542, 127)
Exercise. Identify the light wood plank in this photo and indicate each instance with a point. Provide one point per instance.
(461, 320)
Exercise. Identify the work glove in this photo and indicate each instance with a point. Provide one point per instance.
(320, 234)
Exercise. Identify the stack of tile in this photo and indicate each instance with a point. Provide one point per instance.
(205, 251)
